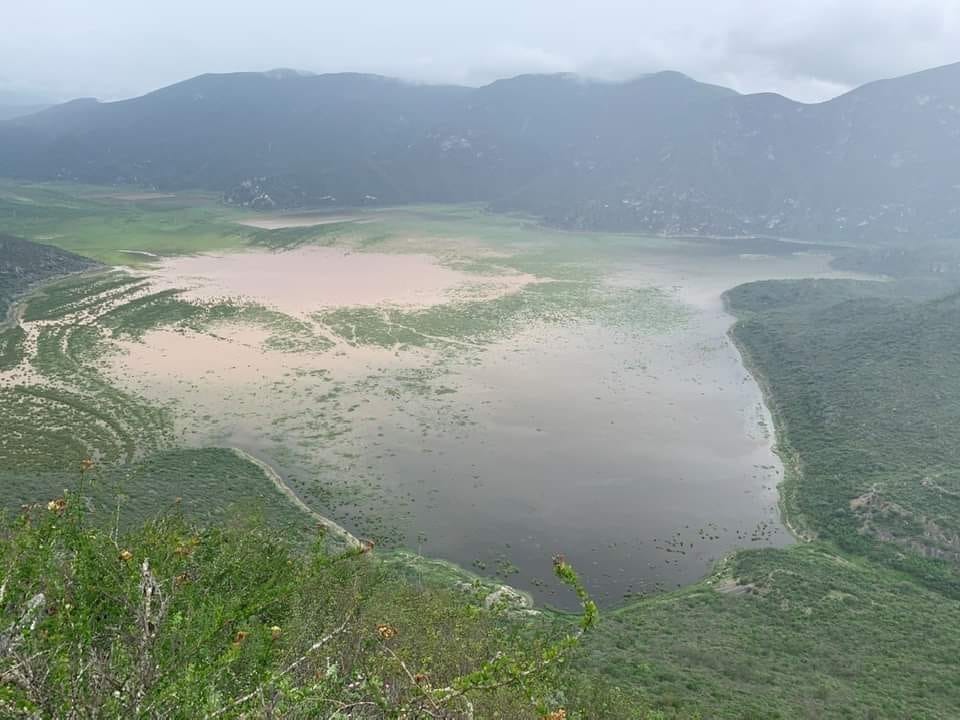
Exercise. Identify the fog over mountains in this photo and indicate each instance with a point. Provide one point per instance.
(661, 153)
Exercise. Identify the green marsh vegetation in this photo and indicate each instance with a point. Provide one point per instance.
(97, 223)
(60, 395)
(475, 322)
(313, 432)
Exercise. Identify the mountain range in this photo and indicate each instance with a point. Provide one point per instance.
(662, 153)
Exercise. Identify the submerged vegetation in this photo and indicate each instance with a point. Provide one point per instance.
(477, 321)
(59, 407)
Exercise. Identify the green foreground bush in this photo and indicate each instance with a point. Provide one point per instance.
(175, 621)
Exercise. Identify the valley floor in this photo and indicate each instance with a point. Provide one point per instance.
(860, 620)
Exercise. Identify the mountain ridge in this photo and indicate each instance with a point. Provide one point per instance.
(659, 153)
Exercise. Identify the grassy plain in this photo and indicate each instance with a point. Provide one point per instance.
(98, 223)
(93, 222)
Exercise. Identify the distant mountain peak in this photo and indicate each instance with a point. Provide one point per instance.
(667, 75)
(287, 73)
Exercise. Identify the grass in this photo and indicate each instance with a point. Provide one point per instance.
(11, 347)
(93, 222)
(207, 485)
(77, 294)
(59, 409)
(90, 222)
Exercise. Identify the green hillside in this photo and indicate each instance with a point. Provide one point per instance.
(24, 263)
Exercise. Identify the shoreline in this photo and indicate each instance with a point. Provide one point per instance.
(790, 516)
(270, 472)
(495, 593)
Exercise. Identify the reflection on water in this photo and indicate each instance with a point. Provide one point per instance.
(643, 457)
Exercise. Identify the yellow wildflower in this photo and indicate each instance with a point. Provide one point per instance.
(57, 506)
(386, 632)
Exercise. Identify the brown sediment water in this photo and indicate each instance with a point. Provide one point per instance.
(643, 455)
(306, 279)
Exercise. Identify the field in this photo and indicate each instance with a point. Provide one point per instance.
(114, 229)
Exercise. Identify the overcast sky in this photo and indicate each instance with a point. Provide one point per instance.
(806, 49)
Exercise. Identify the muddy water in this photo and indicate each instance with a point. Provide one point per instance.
(644, 457)
(306, 279)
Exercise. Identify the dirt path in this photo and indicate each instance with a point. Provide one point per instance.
(14, 314)
(338, 530)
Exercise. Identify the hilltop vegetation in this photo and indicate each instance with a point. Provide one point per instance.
(175, 621)
(802, 633)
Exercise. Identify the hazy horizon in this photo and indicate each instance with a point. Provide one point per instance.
(809, 51)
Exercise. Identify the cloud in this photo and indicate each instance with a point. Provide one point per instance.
(809, 49)
(846, 44)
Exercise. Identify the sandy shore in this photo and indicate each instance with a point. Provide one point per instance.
(280, 222)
